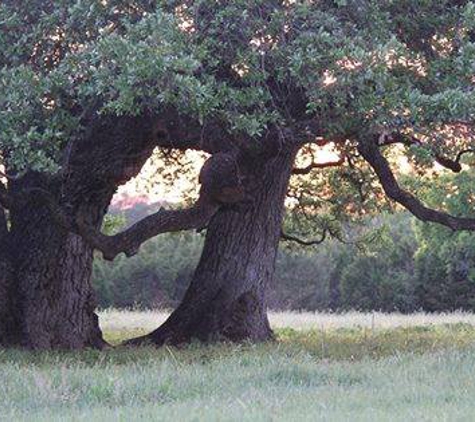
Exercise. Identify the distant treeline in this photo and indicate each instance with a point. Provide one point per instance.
(408, 266)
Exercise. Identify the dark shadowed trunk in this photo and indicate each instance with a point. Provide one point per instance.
(54, 299)
(7, 323)
(49, 299)
(226, 299)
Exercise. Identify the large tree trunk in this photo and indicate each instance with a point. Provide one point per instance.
(227, 296)
(48, 297)
(54, 299)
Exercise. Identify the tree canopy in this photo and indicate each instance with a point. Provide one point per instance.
(241, 73)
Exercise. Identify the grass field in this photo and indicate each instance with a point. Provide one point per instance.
(350, 367)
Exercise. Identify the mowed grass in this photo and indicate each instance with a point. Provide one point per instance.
(369, 370)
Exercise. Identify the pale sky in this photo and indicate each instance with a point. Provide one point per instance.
(151, 186)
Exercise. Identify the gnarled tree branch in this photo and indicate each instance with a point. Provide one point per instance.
(370, 151)
(303, 242)
(409, 140)
(221, 184)
(315, 165)
(163, 221)
(129, 240)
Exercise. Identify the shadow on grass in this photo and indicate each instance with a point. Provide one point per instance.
(332, 345)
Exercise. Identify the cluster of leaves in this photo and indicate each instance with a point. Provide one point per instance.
(355, 66)
(358, 68)
(62, 61)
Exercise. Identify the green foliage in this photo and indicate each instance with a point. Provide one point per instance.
(445, 260)
(113, 223)
(356, 67)
(157, 276)
(381, 277)
(85, 54)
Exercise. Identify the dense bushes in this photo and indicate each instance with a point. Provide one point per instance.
(155, 277)
(410, 266)
(347, 276)
(445, 270)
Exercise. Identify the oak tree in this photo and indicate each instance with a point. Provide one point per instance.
(89, 89)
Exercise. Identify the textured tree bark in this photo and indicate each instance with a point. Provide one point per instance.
(46, 301)
(226, 299)
(8, 331)
(54, 299)
(49, 298)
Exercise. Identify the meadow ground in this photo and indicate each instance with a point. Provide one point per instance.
(331, 367)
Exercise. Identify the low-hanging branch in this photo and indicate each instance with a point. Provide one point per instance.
(316, 165)
(220, 184)
(463, 152)
(163, 221)
(370, 151)
(303, 242)
(129, 240)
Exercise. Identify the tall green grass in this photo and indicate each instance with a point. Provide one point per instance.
(347, 374)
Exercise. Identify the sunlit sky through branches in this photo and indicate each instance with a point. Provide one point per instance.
(151, 185)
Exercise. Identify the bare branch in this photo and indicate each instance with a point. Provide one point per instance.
(409, 140)
(292, 238)
(220, 181)
(315, 165)
(130, 240)
(463, 152)
(371, 153)
(163, 221)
